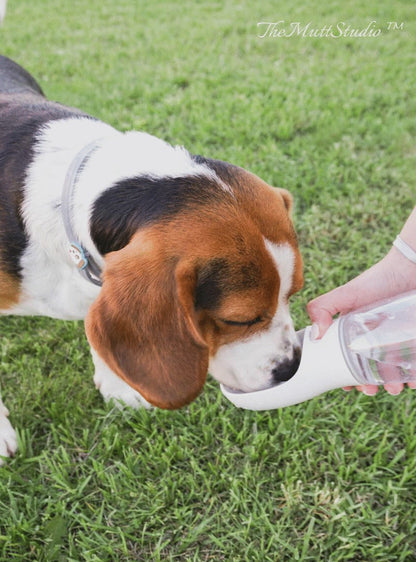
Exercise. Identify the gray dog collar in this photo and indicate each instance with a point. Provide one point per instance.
(85, 263)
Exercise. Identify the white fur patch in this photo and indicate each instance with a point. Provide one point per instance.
(284, 258)
(114, 388)
(8, 437)
(247, 365)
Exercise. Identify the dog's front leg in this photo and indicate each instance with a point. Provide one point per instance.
(8, 437)
(113, 387)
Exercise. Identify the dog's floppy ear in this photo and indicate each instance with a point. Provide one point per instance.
(143, 324)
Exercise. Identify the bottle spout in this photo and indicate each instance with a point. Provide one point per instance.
(322, 368)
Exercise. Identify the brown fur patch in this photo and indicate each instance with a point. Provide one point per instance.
(271, 209)
(9, 290)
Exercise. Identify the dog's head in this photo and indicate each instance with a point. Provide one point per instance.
(197, 280)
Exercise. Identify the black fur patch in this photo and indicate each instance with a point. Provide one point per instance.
(23, 112)
(219, 277)
(136, 202)
(212, 284)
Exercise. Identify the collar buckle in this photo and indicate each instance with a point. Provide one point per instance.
(77, 255)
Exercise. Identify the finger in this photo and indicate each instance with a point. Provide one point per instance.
(348, 388)
(368, 389)
(394, 388)
(411, 384)
(321, 319)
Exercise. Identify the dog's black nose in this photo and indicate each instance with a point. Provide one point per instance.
(285, 371)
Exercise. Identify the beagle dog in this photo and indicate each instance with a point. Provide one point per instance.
(179, 264)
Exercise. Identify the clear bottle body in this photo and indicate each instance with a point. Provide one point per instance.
(379, 342)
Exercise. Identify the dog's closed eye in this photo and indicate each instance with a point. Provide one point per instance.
(242, 322)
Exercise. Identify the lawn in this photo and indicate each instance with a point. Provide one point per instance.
(331, 119)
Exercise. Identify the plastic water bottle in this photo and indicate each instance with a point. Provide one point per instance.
(379, 342)
(372, 345)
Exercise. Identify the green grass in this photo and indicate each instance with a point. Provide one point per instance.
(333, 479)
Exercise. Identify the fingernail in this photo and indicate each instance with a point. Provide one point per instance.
(314, 332)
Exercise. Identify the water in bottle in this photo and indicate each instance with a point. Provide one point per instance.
(379, 342)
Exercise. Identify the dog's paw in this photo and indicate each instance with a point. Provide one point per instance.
(114, 388)
(8, 437)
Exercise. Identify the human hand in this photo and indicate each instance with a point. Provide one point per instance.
(392, 276)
